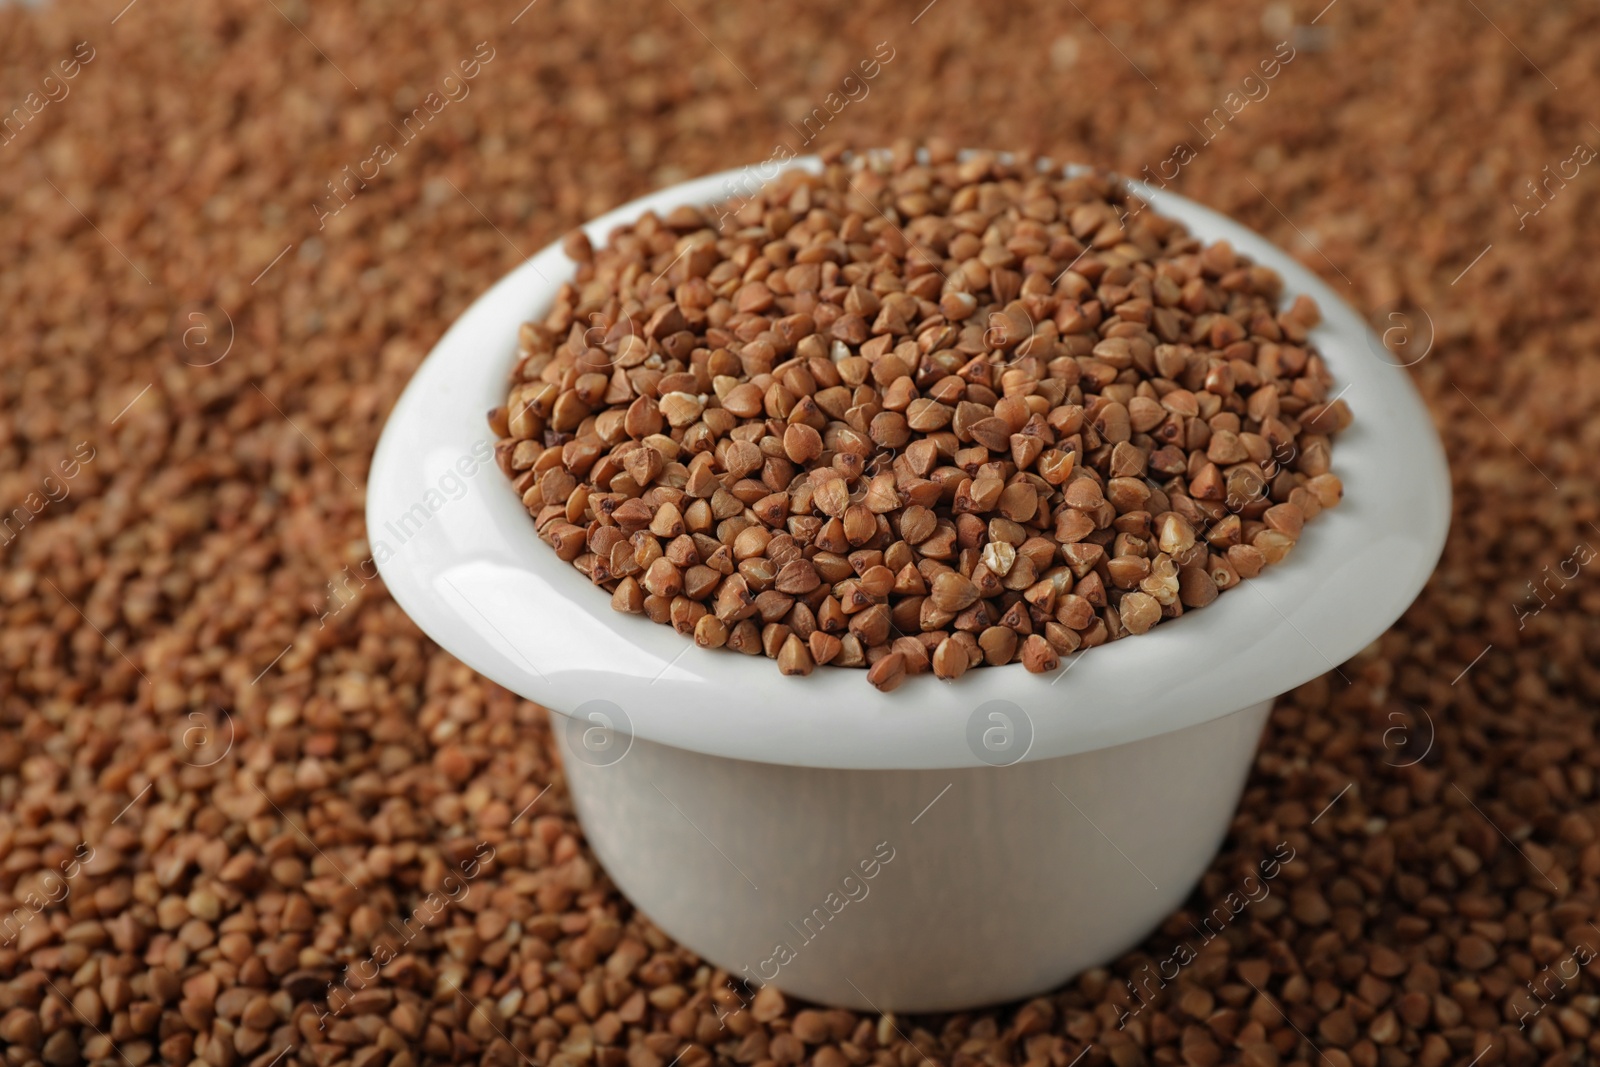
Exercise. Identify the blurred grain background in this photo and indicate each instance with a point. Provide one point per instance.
(264, 762)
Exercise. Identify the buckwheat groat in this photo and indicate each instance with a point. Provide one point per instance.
(927, 417)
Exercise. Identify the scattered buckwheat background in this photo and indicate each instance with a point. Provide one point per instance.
(230, 768)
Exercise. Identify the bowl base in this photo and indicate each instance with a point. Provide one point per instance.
(912, 890)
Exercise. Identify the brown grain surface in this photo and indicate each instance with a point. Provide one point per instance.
(774, 436)
(266, 771)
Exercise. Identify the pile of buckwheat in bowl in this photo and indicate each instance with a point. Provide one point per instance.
(918, 416)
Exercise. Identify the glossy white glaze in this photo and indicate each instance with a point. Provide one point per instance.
(1001, 882)
(473, 574)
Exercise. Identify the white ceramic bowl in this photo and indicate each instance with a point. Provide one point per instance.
(942, 846)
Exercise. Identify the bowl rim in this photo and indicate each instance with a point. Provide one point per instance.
(472, 573)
